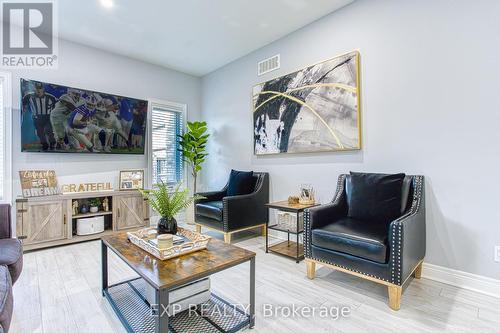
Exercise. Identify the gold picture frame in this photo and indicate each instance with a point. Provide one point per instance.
(313, 109)
(131, 180)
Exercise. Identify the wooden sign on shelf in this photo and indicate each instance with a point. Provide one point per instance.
(37, 183)
(86, 187)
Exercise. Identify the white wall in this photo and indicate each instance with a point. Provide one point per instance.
(430, 106)
(88, 68)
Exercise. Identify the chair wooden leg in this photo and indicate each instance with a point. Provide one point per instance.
(395, 296)
(417, 273)
(198, 228)
(227, 238)
(311, 269)
(264, 230)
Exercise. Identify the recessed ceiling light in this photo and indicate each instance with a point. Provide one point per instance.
(107, 3)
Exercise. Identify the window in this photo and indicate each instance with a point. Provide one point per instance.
(167, 121)
(5, 182)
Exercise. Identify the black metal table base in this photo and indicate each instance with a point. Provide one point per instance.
(217, 315)
(298, 256)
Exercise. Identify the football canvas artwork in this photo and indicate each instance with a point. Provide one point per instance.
(62, 119)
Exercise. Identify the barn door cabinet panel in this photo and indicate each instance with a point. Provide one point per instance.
(41, 221)
(130, 211)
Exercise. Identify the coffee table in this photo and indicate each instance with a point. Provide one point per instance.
(128, 298)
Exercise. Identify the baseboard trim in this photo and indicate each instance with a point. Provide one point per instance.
(469, 281)
(478, 283)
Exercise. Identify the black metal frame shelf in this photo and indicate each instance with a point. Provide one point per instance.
(135, 313)
(296, 210)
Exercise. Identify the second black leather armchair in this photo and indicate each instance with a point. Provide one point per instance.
(230, 214)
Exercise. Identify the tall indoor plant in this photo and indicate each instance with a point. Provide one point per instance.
(193, 147)
(168, 202)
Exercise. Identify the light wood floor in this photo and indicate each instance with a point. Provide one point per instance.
(59, 291)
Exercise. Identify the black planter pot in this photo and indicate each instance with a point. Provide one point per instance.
(167, 226)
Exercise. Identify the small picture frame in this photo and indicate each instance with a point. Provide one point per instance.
(131, 180)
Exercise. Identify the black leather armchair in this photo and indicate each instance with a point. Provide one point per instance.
(387, 253)
(230, 214)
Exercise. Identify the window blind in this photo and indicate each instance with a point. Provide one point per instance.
(167, 123)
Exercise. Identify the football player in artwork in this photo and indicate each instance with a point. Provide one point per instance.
(59, 115)
(41, 104)
(107, 119)
(125, 113)
(80, 127)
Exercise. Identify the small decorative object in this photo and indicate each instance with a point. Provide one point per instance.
(37, 183)
(147, 233)
(131, 179)
(306, 194)
(84, 209)
(293, 200)
(165, 241)
(194, 242)
(94, 204)
(105, 204)
(75, 207)
(314, 109)
(86, 187)
(168, 203)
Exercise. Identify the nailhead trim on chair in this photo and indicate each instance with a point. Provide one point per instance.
(396, 241)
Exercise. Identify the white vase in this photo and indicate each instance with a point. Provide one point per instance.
(94, 209)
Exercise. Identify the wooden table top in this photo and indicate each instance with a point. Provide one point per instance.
(177, 271)
(284, 205)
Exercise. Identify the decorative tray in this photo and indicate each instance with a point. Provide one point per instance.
(195, 242)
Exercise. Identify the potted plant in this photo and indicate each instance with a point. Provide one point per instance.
(94, 204)
(167, 203)
(193, 149)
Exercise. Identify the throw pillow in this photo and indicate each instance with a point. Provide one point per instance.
(240, 182)
(374, 196)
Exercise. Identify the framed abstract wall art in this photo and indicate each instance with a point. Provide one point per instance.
(314, 109)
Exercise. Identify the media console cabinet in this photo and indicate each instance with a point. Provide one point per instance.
(49, 221)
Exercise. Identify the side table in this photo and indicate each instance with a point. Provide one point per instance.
(287, 248)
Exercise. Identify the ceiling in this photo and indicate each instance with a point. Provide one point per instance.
(192, 36)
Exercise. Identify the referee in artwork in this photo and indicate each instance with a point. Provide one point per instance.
(41, 105)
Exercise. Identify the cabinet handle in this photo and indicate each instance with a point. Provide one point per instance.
(64, 218)
(118, 212)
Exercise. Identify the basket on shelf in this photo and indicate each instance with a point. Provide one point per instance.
(288, 221)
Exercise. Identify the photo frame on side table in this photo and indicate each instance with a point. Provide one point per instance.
(131, 180)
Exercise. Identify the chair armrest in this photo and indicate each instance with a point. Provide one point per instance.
(407, 236)
(211, 196)
(317, 217)
(322, 215)
(249, 209)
